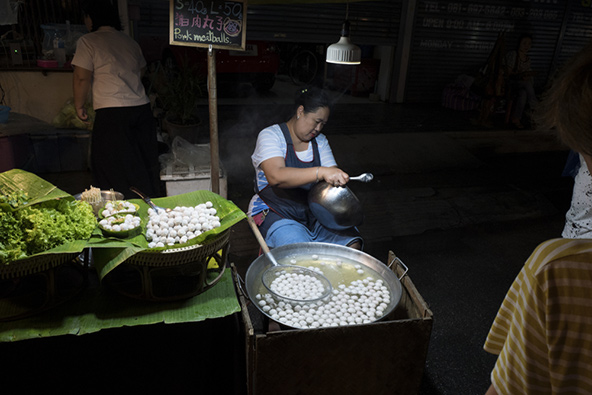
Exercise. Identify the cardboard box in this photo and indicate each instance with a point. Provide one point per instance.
(385, 357)
(180, 178)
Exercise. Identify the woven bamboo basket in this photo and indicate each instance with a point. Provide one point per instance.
(32, 285)
(173, 274)
(181, 255)
(34, 264)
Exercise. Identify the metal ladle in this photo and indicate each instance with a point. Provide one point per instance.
(276, 269)
(148, 201)
(364, 177)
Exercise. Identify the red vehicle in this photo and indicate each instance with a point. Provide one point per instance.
(258, 65)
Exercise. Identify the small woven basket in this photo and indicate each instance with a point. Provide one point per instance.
(34, 264)
(38, 283)
(173, 274)
(182, 255)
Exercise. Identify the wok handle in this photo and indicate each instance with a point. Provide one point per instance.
(399, 262)
(258, 234)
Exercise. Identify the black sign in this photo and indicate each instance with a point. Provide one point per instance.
(219, 23)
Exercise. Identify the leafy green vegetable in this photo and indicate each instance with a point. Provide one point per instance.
(12, 245)
(15, 199)
(40, 227)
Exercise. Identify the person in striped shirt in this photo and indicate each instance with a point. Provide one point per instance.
(542, 333)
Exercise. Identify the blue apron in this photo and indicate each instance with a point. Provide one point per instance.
(290, 203)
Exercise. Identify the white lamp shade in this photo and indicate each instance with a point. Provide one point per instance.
(344, 52)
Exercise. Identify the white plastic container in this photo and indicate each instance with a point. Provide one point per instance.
(180, 178)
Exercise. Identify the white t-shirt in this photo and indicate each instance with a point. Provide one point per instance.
(270, 144)
(578, 220)
(116, 61)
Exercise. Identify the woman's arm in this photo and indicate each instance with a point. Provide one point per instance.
(279, 175)
(81, 85)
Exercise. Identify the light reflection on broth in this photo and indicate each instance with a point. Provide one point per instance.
(338, 270)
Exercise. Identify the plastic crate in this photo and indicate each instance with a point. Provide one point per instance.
(46, 149)
(60, 150)
(74, 147)
(15, 152)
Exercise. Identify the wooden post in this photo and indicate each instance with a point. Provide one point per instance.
(213, 100)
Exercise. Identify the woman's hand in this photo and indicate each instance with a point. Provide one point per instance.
(333, 176)
(82, 115)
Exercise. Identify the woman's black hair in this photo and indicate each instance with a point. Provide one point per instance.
(102, 13)
(312, 98)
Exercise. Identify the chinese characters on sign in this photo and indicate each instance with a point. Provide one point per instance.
(221, 24)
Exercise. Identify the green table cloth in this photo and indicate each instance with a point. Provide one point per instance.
(97, 308)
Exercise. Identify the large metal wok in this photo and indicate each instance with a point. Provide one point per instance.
(336, 262)
(335, 207)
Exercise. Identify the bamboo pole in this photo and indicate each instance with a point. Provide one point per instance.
(213, 99)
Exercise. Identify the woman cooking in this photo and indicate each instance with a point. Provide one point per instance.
(289, 159)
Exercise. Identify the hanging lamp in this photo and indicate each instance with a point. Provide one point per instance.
(343, 51)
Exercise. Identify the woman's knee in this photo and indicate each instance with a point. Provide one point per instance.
(286, 232)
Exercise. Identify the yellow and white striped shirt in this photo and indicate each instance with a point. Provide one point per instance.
(543, 329)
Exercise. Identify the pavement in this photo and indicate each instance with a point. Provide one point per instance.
(462, 205)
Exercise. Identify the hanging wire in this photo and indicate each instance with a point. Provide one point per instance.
(347, 10)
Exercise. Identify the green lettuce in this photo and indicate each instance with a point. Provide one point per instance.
(40, 227)
(12, 245)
